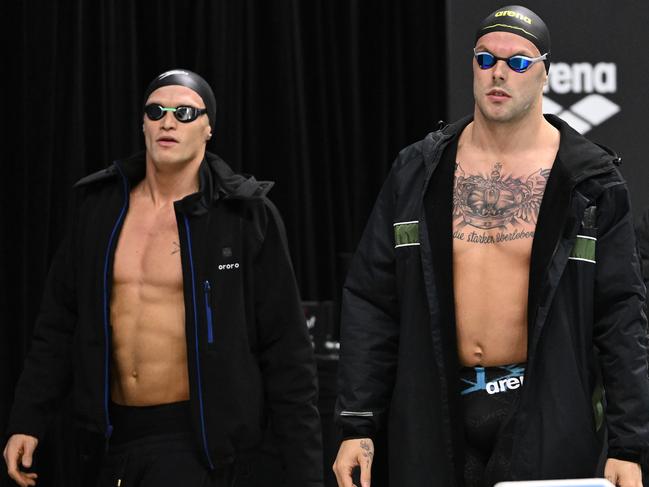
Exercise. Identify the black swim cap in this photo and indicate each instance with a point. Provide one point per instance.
(521, 21)
(191, 80)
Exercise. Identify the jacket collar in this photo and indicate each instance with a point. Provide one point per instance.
(216, 181)
(579, 157)
(435, 142)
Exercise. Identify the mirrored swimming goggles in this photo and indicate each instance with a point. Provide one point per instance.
(518, 63)
(183, 114)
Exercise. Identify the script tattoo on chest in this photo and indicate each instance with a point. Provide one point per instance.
(496, 201)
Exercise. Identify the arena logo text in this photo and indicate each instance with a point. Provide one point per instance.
(594, 80)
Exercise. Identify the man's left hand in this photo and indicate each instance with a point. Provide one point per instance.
(622, 473)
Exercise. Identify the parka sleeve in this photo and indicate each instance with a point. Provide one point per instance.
(620, 328)
(369, 325)
(286, 359)
(47, 371)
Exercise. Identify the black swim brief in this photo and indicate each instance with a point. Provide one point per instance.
(487, 395)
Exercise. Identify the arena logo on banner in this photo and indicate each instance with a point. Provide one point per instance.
(593, 80)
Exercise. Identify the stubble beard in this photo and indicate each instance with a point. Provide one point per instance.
(513, 112)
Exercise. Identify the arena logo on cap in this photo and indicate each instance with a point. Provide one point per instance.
(512, 13)
(593, 79)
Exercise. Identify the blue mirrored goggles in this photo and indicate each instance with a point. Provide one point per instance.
(518, 63)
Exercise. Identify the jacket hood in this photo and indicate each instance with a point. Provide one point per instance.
(579, 157)
(217, 181)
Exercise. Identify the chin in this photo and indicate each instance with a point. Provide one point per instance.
(164, 159)
(504, 116)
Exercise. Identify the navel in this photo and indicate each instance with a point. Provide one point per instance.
(478, 353)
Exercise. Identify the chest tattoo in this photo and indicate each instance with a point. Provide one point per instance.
(496, 201)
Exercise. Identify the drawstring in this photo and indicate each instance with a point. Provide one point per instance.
(122, 471)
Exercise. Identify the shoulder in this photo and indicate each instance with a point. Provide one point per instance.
(116, 175)
(420, 152)
(426, 152)
(96, 177)
(410, 163)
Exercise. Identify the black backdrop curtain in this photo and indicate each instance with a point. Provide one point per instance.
(317, 95)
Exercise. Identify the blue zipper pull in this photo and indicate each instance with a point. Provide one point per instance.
(208, 312)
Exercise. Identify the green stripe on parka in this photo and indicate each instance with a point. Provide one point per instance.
(406, 233)
(584, 248)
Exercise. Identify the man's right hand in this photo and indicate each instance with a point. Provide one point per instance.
(19, 452)
(352, 454)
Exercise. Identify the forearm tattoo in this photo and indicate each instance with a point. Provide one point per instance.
(176, 249)
(368, 452)
(496, 201)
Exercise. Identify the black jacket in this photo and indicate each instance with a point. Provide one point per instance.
(643, 244)
(249, 356)
(399, 365)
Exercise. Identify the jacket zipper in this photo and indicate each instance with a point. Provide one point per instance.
(118, 222)
(208, 312)
(198, 362)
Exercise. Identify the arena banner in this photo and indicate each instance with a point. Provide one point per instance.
(598, 82)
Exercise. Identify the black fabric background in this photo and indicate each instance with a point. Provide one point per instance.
(316, 95)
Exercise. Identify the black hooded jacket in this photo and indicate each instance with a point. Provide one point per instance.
(399, 364)
(249, 357)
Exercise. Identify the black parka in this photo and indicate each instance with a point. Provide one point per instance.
(399, 364)
(249, 357)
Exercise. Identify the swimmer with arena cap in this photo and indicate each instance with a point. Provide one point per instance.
(495, 294)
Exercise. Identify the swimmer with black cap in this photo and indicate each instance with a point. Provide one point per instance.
(522, 22)
(189, 79)
(179, 117)
(511, 90)
(483, 205)
(176, 221)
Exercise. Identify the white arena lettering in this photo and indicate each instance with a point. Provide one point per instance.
(582, 78)
(502, 385)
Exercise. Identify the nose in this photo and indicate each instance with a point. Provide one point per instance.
(499, 71)
(168, 120)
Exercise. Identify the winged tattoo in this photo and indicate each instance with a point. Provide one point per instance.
(497, 200)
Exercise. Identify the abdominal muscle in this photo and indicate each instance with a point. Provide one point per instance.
(490, 286)
(149, 348)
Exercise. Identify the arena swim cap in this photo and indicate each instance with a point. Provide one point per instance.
(521, 21)
(191, 80)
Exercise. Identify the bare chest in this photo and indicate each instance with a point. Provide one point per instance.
(496, 207)
(148, 249)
